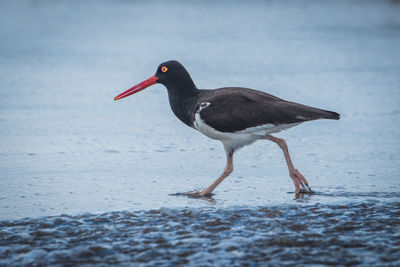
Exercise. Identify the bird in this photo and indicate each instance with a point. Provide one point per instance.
(236, 116)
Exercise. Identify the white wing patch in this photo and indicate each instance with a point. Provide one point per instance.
(265, 129)
(203, 105)
(197, 120)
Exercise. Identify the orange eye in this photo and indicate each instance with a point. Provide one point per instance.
(164, 69)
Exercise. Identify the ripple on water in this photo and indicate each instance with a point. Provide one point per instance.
(111, 151)
(362, 233)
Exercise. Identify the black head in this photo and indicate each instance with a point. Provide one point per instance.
(173, 75)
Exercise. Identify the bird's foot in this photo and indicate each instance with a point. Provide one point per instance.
(300, 183)
(306, 190)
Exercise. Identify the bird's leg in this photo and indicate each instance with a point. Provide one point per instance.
(228, 170)
(300, 182)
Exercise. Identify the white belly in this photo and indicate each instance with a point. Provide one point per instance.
(241, 138)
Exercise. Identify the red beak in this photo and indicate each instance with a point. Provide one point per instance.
(137, 88)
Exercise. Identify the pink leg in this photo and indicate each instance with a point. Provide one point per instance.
(300, 182)
(207, 192)
(228, 170)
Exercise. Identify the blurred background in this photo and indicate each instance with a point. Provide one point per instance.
(67, 147)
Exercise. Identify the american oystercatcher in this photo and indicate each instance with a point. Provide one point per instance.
(233, 115)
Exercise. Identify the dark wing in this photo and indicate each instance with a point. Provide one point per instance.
(235, 109)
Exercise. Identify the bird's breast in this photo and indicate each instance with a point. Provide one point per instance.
(183, 109)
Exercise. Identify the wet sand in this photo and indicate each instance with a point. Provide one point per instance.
(320, 234)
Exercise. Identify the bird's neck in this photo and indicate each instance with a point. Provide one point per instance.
(182, 99)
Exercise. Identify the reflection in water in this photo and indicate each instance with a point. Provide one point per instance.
(365, 233)
(303, 196)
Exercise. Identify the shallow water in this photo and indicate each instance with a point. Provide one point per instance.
(67, 148)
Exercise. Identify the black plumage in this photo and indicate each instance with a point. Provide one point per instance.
(231, 109)
(234, 109)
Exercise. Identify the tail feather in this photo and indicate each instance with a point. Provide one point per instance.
(331, 115)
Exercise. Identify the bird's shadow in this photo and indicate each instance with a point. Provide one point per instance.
(195, 195)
